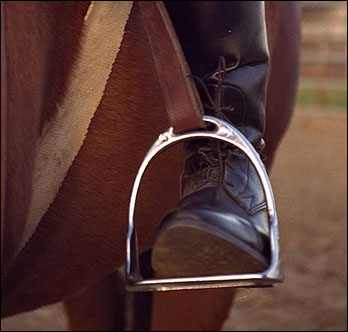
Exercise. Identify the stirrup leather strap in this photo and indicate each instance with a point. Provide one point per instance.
(181, 99)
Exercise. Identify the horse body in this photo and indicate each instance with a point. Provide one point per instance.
(80, 240)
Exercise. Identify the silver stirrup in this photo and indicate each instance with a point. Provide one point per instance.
(226, 133)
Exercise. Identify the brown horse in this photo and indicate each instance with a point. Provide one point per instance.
(80, 241)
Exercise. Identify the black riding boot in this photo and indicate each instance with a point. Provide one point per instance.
(220, 225)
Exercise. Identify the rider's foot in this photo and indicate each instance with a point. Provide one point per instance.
(220, 226)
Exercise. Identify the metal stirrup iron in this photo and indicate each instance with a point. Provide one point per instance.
(185, 117)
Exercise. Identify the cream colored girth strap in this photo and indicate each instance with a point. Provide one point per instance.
(64, 135)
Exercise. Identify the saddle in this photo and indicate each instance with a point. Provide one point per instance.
(224, 230)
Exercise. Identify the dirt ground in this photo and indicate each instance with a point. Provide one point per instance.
(310, 185)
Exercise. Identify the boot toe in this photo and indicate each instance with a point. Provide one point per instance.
(200, 241)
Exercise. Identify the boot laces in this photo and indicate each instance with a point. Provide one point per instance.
(214, 104)
(214, 153)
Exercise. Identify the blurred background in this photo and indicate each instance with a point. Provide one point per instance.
(323, 78)
(310, 185)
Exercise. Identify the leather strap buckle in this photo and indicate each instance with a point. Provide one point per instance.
(224, 132)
